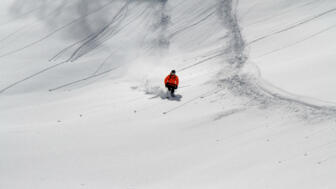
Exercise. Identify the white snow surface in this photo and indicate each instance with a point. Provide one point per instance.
(82, 101)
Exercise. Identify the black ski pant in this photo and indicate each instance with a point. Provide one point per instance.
(171, 88)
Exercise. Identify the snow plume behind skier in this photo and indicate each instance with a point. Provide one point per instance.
(172, 82)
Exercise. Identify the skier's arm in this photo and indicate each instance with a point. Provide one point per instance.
(177, 81)
(166, 80)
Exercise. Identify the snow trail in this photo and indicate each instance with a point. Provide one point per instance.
(249, 84)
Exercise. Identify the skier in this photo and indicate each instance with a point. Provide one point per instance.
(172, 82)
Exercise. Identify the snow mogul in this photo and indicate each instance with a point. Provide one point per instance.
(172, 82)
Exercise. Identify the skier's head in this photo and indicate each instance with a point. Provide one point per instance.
(173, 72)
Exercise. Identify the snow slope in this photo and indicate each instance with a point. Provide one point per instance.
(82, 103)
(293, 44)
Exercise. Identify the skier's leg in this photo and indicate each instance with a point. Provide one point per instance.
(172, 91)
(169, 91)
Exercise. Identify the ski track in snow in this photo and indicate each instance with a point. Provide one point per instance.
(81, 80)
(32, 76)
(300, 23)
(233, 52)
(118, 17)
(281, 13)
(54, 32)
(251, 87)
(172, 35)
(299, 41)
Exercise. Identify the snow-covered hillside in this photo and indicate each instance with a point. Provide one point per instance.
(82, 102)
(293, 44)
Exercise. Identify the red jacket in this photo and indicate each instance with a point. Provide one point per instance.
(172, 79)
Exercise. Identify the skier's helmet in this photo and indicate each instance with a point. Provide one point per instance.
(173, 72)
